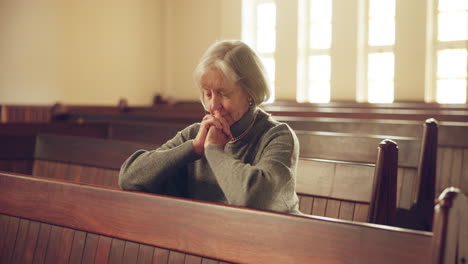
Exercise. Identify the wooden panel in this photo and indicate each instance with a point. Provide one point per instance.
(176, 257)
(314, 177)
(20, 243)
(4, 220)
(305, 204)
(17, 147)
(190, 259)
(90, 249)
(76, 173)
(361, 212)
(59, 246)
(160, 255)
(27, 252)
(117, 250)
(103, 249)
(333, 208)
(71, 129)
(148, 133)
(346, 210)
(10, 237)
(406, 194)
(319, 206)
(76, 253)
(443, 179)
(246, 228)
(340, 180)
(463, 235)
(464, 177)
(42, 242)
(16, 166)
(89, 151)
(130, 255)
(456, 167)
(209, 261)
(353, 182)
(145, 254)
(355, 147)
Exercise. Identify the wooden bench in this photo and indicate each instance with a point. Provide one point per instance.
(370, 113)
(77, 159)
(350, 190)
(75, 223)
(394, 105)
(97, 161)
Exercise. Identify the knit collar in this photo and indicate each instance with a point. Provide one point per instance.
(242, 124)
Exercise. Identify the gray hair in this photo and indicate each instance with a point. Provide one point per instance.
(239, 64)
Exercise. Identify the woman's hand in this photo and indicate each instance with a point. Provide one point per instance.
(213, 128)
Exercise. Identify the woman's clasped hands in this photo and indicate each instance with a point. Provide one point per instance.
(214, 129)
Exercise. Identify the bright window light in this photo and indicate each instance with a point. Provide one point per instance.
(380, 77)
(381, 8)
(320, 10)
(381, 66)
(452, 91)
(320, 35)
(269, 64)
(319, 68)
(451, 74)
(381, 32)
(380, 92)
(319, 91)
(453, 26)
(319, 77)
(259, 31)
(314, 42)
(266, 27)
(451, 63)
(452, 5)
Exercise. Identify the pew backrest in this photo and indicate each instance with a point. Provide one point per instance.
(79, 220)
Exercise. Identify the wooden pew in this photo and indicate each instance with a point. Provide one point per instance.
(350, 190)
(369, 113)
(97, 161)
(450, 237)
(363, 149)
(421, 166)
(77, 159)
(394, 105)
(78, 224)
(25, 113)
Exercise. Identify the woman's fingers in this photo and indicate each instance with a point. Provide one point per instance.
(219, 122)
(225, 125)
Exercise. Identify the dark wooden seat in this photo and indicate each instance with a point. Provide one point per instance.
(417, 169)
(350, 190)
(451, 148)
(80, 224)
(97, 161)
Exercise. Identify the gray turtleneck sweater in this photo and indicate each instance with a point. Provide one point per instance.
(257, 171)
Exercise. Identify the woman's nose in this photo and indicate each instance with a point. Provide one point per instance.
(215, 103)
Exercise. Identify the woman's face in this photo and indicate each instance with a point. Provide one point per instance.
(230, 100)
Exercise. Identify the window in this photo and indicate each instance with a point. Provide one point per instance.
(450, 51)
(380, 54)
(259, 31)
(314, 42)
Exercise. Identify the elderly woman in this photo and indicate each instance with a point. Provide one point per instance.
(237, 155)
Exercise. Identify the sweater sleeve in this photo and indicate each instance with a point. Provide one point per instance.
(257, 185)
(160, 170)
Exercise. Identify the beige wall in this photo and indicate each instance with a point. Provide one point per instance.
(80, 52)
(97, 51)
